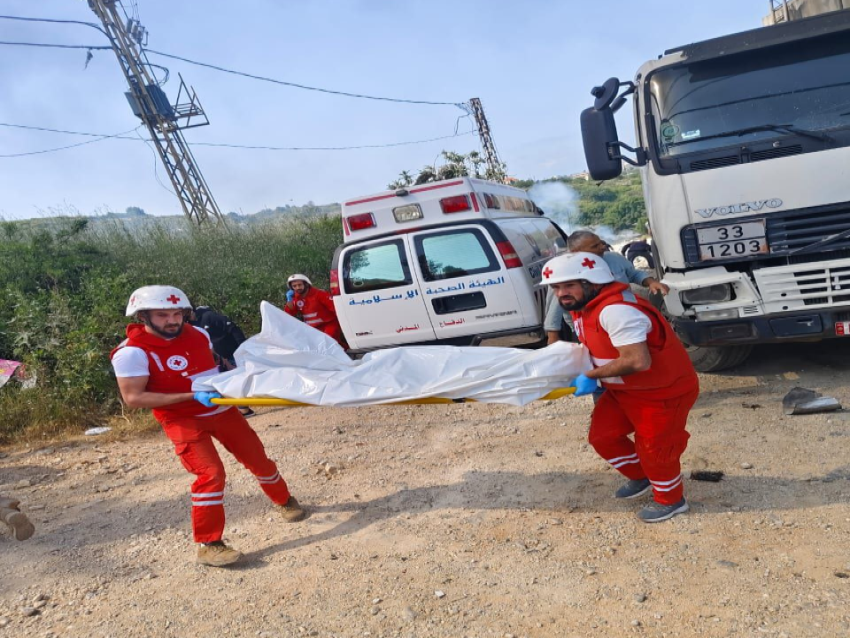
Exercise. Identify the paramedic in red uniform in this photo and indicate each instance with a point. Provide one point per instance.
(313, 306)
(650, 384)
(155, 367)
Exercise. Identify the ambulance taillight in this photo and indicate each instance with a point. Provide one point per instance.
(455, 204)
(335, 283)
(361, 221)
(509, 256)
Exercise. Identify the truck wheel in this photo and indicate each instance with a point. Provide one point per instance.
(717, 358)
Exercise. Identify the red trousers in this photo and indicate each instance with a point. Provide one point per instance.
(660, 437)
(193, 443)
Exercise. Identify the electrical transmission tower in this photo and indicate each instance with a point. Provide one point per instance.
(495, 168)
(164, 121)
(779, 11)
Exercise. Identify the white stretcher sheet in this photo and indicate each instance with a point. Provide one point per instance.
(291, 360)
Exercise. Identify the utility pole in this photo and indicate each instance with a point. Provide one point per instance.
(164, 121)
(495, 168)
(779, 11)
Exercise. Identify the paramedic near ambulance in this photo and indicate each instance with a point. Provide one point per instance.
(313, 306)
(155, 367)
(650, 384)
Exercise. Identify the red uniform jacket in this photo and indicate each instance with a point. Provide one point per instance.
(671, 372)
(316, 308)
(173, 365)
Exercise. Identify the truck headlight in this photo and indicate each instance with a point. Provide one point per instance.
(717, 293)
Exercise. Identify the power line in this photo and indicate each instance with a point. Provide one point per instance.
(252, 76)
(121, 136)
(303, 86)
(24, 19)
(62, 148)
(330, 148)
(57, 46)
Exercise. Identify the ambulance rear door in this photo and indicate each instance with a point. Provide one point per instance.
(380, 302)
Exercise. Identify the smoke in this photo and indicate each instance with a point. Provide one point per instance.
(558, 201)
(616, 238)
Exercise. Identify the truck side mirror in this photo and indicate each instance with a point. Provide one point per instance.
(599, 134)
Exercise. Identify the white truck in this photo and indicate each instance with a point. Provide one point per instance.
(454, 262)
(743, 144)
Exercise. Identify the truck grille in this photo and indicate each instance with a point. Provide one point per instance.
(797, 287)
(788, 231)
(794, 229)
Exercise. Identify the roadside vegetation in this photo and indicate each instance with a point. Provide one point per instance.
(64, 284)
(64, 288)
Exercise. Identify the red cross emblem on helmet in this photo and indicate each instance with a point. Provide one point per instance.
(173, 299)
(589, 263)
(548, 272)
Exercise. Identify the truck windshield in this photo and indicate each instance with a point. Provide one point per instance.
(799, 89)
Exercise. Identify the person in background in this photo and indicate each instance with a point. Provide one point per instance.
(313, 306)
(156, 365)
(226, 337)
(650, 383)
(640, 248)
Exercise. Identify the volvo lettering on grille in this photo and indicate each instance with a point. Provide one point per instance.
(743, 207)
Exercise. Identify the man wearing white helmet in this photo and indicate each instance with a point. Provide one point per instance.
(650, 384)
(313, 306)
(155, 367)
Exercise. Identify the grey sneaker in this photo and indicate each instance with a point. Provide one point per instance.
(656, 512)
(633, 489)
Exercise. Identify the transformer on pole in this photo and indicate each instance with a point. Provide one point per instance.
(495, 168)
(164, 121)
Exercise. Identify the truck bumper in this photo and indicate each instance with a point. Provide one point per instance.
(792, 326)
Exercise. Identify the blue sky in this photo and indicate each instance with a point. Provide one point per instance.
(531, 63)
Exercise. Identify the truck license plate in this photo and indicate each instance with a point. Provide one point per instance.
(733, 240)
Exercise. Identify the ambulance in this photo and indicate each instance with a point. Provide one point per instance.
(454, 262)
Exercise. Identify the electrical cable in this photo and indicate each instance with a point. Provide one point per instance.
(57, 46)
(150, 147)
(242, 146)
(62, 148)
(87, 24)
(303, 86)
(145, 51)
(329, 148)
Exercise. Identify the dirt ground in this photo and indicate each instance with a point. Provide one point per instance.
(460, 520)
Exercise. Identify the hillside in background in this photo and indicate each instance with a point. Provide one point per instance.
(571, 200)
(576, 202)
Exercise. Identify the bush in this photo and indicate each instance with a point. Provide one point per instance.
(64, 290)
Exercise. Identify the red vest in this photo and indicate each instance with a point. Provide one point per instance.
(173, 365)
(316, 308)
(670, 373)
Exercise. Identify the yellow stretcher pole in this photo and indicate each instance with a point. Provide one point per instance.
(261, 401)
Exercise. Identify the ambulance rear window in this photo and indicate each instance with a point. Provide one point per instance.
(376, 267)
(454, 253)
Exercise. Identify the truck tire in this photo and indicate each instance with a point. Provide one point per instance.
(717, 358)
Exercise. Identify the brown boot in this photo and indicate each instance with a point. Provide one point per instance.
(217, 554)
(18, 523)
(292, 511)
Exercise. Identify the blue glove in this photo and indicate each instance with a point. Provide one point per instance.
(205, 398)
(584, 385)
(289, 295)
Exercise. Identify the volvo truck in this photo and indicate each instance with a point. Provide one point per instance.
(743, 144)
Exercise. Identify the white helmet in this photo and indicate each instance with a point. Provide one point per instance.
(157, 298)
(576, 266)
(298, 277)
